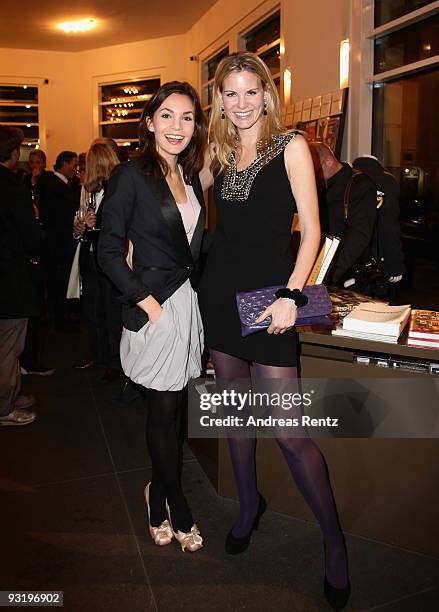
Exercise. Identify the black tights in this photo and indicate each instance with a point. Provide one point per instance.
(305, 461)
(164, 437)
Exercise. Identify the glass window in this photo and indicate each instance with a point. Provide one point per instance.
(208, 69)
(272, 59)
(264, 34)
(405, 137)
(406, 133)
(19, 108)
(388, 10)
(265, 41)
(121, 107)
(411, 44)
(214, 61)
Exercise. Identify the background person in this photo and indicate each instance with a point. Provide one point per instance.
(79, 178)
(31, 360)
(387, 245)
(101, 307)
(357, 233)
(36, 181)
(20, 239)
(62, 200)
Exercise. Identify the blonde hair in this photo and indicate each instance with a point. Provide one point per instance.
(99, 163)
(222, 132)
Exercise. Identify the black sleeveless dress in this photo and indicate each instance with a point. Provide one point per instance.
(251, 249)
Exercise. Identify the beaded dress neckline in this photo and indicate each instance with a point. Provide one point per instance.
(237, 183)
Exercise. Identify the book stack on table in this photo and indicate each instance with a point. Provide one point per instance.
(374, 321)
(424, 329)
(344, 301)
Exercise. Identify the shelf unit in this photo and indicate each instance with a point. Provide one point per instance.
(19, 108)
(120, 107)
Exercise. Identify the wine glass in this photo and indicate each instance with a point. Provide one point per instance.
(91, 205)
(80, 216)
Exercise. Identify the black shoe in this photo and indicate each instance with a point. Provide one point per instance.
(235, 546)
(337, 598)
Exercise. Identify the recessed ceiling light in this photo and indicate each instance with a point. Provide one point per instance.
(75, 27)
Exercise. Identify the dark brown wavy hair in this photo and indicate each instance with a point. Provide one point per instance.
(192, 158)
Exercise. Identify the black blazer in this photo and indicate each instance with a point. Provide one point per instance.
(40, 186)
(60, 204)
(21, 238)
(357, 234)
(142, 209)
(387, 243)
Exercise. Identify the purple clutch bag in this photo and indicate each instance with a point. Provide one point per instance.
(253, 303)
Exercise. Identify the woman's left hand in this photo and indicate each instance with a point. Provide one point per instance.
(283, 316)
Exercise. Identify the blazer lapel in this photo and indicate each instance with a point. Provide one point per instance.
(173, 218)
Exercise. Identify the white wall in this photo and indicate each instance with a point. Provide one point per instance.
(162, 57)
(69, 99)
(58, 99)
(311, 30)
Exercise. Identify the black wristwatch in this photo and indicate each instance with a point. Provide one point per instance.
(296, 295)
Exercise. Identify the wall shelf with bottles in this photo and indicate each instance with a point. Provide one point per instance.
(120, 108)
(19, 108)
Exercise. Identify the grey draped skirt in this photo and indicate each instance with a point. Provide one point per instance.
(164, 355)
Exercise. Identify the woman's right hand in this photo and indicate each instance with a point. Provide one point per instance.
(151, 307)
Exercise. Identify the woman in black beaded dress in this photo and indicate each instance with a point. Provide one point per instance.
(262, 175)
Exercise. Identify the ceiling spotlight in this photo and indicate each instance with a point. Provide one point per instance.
(75, 27)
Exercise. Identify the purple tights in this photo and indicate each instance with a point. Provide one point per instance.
(305, 461)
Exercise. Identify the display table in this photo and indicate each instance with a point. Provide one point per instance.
(386, 489)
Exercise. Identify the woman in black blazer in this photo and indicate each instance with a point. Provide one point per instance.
(155, 205)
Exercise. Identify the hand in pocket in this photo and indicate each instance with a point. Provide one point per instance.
(156, 316)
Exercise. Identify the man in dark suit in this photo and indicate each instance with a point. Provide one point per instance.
(36, 182)
(360, 197)
(387, 246)
(61, 203)
(37, 179)
(20, 239)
